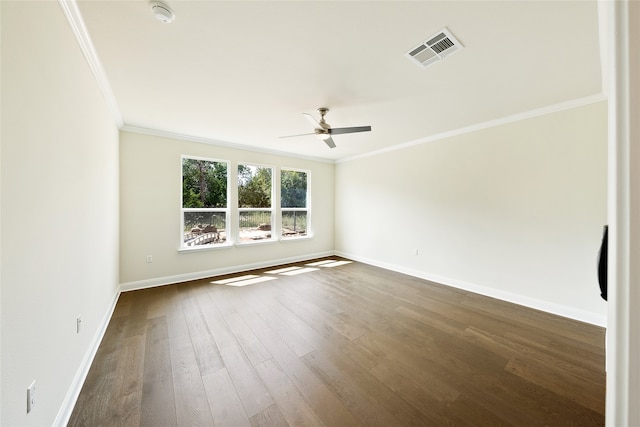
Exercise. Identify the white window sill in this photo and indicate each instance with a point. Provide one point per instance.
(204, 248)
(296, 239)
(243, 244)
(257, 242)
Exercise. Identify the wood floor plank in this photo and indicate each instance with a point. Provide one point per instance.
(324, 403)
(254, 349)
(359, 401)
(332, 316)
(192, 406)
(511, 347)
(137, 319)
(157, 303)
(579, 355)
(99, 393)
(224, 400)
(293, 406)
(327, 322)
(425, 384)
(417, 395)
(498, 392)
(272, 318)
(314, 334)
(206, 349)
(130, 372)
(270, 417)
(356, 364)
(536, 404)
(433, 320)
(123, 305)
(177, 326)
(578, 389)
(348, 345)
(158, 405)
(251, 390)
(451, 370)
(467, 412)
(578, 331)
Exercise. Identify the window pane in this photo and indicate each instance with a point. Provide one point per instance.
(204, 228)
(254, 186)
(293, 189)
(204, 184)
(255, 225)
(294, 223)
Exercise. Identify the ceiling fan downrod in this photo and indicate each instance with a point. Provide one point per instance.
(323, 111)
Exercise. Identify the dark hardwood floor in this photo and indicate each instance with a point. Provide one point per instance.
(342, 345)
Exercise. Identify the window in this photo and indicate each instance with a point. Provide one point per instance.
(205, 210)
(294, 203)
(255, 195)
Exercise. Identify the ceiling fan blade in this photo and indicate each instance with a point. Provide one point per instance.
(311, 120)
(300, 134)
(330, 142)
(324, 131)
(336, 131)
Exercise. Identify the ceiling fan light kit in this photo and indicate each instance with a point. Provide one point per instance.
(323, 135)
(162, 12)
(323, 130)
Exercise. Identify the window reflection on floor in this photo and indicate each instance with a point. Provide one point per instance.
(252, 279)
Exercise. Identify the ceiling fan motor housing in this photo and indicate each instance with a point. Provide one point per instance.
(323, 123)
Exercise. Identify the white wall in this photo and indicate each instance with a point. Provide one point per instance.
(150, 174)
(59, 241)
(514, 211)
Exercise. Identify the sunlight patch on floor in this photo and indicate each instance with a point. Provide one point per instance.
(324, 261)
(335, 264)
(282, 270)
(252, 279)
(299, 271)
(258, 279)
(235, 279)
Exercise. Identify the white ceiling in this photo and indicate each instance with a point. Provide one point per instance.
(243, 72)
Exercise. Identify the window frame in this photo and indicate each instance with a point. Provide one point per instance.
(308, 234)
(272, 209)
(226, 210)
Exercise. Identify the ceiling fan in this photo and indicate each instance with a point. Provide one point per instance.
(323, 130)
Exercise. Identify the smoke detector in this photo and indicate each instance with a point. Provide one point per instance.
(162, 12)
(437, 47)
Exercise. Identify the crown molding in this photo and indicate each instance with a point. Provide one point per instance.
(72, 13)
(202, 140)
(574, 103)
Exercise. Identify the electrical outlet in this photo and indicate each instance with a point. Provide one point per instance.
(31, 396)
(149, 258)
(78, 324)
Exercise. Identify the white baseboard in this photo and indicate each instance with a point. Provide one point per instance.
(69, 402)
(546, 306)
(178, 278)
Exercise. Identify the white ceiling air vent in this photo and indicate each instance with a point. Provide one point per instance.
(437, 47)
